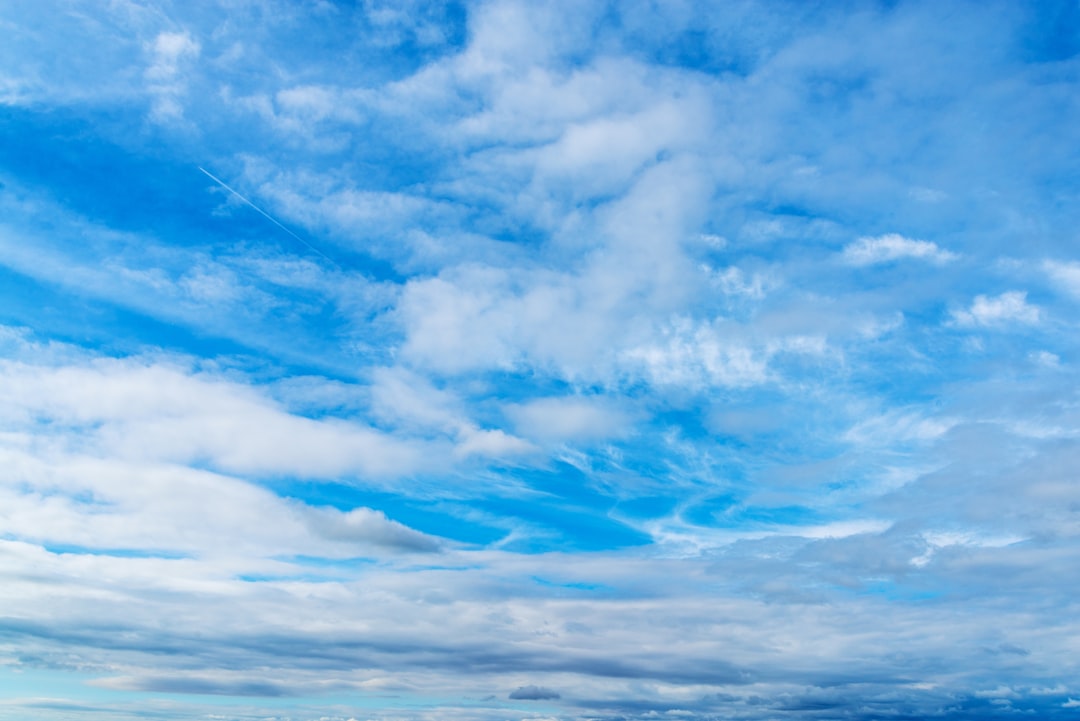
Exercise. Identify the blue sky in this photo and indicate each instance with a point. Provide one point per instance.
(500, 360)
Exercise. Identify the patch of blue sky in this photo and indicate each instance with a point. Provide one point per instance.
(28, 689)
(646, 507)
(135, 189)
(292, 578)
(562, 526)
(30, 682)
(125, 188)
(138, 309)
(1052, 35)
(894, 590)
(433, 515)
(356, 562)
(751, 517)
(570, 585)
(64, 548)
(56, 313)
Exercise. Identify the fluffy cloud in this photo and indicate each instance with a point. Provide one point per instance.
(887, 248)
(1009, 307)
(145, 410)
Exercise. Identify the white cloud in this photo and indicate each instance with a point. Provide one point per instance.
(463, 321)
(1064, 274)
(59, 496)
(411, 403)
(169, 49)
(1009, 307)
(570, 418)
(600, 156)
(697, 355)
(402, 398)
(890, 247)
(896, 427)
(316, 117)
(511, 37)
(491, 443)
(1045, 358)
(735, 282)
(166, 82)
(142, 409)
(366, 525)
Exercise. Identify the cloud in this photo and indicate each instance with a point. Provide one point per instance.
(168, 49)
(368, 526)
(533, 693)
(1009, 307)
(166, 82)
(1065, 275)
(142, 409)
(733, 281)
(573, 418)
(410, 401)
(891, 247)
(696, 355)
(491, 443)
(194, 685)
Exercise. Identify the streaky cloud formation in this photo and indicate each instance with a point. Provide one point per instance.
(534, 693)
(495, 360)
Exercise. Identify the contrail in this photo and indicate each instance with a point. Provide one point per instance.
(263, 213)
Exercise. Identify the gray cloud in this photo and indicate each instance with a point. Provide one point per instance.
(197, 685)
(533, 693)
(365, 525)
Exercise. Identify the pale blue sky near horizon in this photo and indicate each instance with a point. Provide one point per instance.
(539, 360)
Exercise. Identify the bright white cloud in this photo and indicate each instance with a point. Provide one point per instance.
(491, 443)
(1009, 307)
(141, 409)
(890, 247)
(699, 355)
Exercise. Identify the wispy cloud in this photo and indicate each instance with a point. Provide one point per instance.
(534, 693)
(169, 52)
(1066, 275)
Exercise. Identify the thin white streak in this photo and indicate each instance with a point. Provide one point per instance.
(263, 213)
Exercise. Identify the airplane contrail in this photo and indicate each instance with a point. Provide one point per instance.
(263, 213)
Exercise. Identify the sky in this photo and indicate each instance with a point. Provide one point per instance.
(534, 361)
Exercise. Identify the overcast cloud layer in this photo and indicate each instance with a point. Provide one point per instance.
(541, 360)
